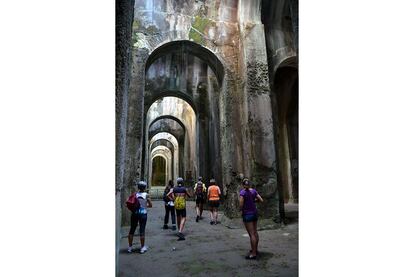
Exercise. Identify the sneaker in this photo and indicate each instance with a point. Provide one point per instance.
(174, 228)
(143, 249)
(181, 236)
(165, 227)
(129, 249)
(211, 222)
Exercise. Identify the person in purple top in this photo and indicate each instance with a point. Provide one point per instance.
(248, 197)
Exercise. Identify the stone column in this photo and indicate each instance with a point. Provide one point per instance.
(293, 5)
(135, 126)
(124, 17)
(231, 140)
(259, 125)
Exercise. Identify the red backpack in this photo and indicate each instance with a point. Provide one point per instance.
(132, 203)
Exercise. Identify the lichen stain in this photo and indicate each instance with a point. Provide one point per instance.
(198, 27)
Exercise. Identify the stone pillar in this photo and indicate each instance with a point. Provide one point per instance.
(293, 5)
(135, 126)
(259, 124)
(124, 18)
(231, 141)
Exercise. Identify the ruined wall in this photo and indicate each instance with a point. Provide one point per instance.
(236, 122)
(257, 121)
(280, 18)
(135, 123)
(124, 17)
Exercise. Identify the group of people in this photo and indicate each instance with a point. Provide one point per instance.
(175, 204)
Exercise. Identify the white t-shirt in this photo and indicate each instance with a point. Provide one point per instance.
(142, 198)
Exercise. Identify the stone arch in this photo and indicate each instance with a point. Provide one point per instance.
(167, 117)
(177, 154)
(208, 129)
(164, 152)
(168, 124)
(289, 58)
(167, 108)
(170, 93)
(175, 136)
(284, 98)
(201, 51)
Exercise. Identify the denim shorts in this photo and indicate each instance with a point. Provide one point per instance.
(249, 217)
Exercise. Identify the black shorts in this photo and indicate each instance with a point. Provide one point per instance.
(214, 203)
(181, 213)
(142, 219)
(199, 199)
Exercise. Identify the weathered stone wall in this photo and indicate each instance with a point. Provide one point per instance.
(257, 122)
(136, 121)
(124, 18)
(222, 70)
(280, 18)
(281, 24)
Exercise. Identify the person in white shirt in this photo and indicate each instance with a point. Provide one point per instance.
(140, 216)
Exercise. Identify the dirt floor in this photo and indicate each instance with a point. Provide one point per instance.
(210, 250)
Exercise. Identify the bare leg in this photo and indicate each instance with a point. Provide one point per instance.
(212, 214)
(215, 214)
(142, 239)
(182, 225)
(253, 239)
(256, 235)
(197, 210)
(178, 220)
(130, 239)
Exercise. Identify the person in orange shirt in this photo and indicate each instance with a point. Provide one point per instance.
(213, 196)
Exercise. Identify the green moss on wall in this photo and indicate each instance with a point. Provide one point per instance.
(198, 27)
(135, 25)
(134, 38)
(152, 29)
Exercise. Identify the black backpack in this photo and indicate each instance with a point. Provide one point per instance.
(165, 198)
